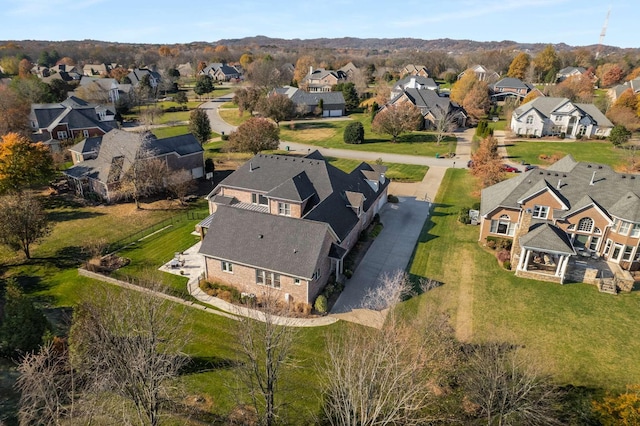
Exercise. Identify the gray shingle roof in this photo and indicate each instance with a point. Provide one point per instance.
(276, 243)
(548, 105)
(512, 83)
(300, 97)
(608, 190)
(428, 101)
(547, 237)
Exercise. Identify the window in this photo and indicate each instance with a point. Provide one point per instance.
(296, 281)
(607, 247)
(558, 118)
(585, 224)
(259, 199)
(540, 212)
(593, 245)
(62, 134)
(624, 228)
(284, 209)
(597, 230)
(85, 133)
(582, 130)
(626, 256)
(316, 274)
(267, 278)
(503, 226)
(227, 267)
(530, 119)
(635, 231)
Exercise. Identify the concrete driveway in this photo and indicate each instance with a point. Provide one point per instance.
(389, 253)
(211, 107)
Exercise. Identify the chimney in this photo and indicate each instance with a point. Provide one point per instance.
(310, 69)
(593, 177)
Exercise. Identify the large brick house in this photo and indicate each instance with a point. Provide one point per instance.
(322, 80)
(572, 217)
(287, 222)
(100, 163)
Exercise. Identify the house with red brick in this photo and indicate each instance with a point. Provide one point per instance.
(287, 223)
(574, 221)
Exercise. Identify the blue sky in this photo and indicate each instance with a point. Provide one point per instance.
(575, 22)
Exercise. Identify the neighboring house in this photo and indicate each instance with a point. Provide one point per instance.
(104, 89)
(96, 70)
(432, 105)
(567, 72)
(40, 71)
(415, 70)
(220, 71)
(62, 75)
(413, 82)
(322, 80)
(510, 87)
(137, 74)
(482, 73)
(101, 162)
(565, 220)
(69, 119)
(617, 90)
(350, 69)
(186, 69)
(287, 223)
(333, 104)
(545, 116)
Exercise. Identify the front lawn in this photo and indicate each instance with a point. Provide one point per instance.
(232, 117)
(170, 131)
(591, 151)
(395, 171)
(581, 336)
(329, 134)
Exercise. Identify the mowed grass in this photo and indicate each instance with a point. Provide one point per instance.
(597, 152)
(231, 115)
(395, 171)
(579, 335)
(170, 131)
(329, 134)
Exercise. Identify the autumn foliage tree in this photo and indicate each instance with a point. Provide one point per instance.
(23, 163)
(396, 119)
(547, 63)
(14, 111)
(476, 102)
(254, 135)
(578, 88)
(623, 409)
(487, 164)
(610, 74)
(519, 66)
(303, 65)
(460, 88)
(247, 99)
(276, 107)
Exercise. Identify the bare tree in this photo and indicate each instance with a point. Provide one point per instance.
(264, 354)
(444, 123)
(387, 376)
(144, 176)
(46, 384)
(129, 344)
(23, 222)
(396, 119)
(150, 114)
(180, 183)
(508, 389)
(392, 289)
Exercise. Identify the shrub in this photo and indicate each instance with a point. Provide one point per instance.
(376, 230)
(562, 135)
(491, 244)
(507, 265)
(463, 216)
(321, 305)
(221, 291)
(392, 199)
(475, 206)
(348, 273)
(224, 137)
(503, 255)
(354, 133)
(501, 243)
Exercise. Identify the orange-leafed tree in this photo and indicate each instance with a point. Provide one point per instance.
(519, 66)
(24, 68)
(22, 163)
(164, 51)
(610, 74)
(303, 65)
(397, 119)
(487, 164)
(623, 409)
(476, 102)
(463, 86)
(576, 88)
(118, 73)
(531, 96)
(254, 135)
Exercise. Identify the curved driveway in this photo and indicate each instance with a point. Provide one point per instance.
(211, 107)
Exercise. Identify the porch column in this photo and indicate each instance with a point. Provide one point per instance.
(526, 260)
(560, 263)
(521, 261)
(564, 268)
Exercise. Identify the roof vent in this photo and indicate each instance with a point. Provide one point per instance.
(588, 166)
(556, 174)
(563, 175)
(632, 177)
(599, 167)
(260, 236)
(624, 176)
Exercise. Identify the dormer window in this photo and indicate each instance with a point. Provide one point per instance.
(259, 199)
(530, 119)
(284, 209)
(585, 224)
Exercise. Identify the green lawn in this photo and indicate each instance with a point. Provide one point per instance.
(232, 117)
(395, 171)
(329, 134)
(599, 152)
(581, 336)
(167, 132)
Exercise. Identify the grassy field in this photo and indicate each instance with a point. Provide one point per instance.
(231, 116)
(579, 335)
(600, 152)
(395, 171)
(329, 134)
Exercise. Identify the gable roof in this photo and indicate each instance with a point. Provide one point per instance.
(547, 237)
(511, 83)
(610, 191)
(428, 101)
(550, 105)
(73, 111)
(310, 178)
(571, 70)
(416, 82)
(280, 244)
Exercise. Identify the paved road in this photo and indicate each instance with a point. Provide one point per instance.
(218, 125)
(390, 251)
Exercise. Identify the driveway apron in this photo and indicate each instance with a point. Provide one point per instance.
(389, 253)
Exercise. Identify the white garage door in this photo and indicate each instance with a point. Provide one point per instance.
(335, 113)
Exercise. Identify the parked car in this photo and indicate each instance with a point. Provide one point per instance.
(509, 169)
(529, 167)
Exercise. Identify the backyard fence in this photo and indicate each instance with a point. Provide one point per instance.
(149, 230)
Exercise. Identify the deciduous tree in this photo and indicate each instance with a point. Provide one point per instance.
(200, 125)
(277, 107)
(264, 356)
(303, 65)
(622, 409)
(619, 135)
(23, 163)
(444, 123)
(204, 84)
(144, 176)
(180, 183)
(23, 222)
(462, 87)
(487, 164)
(611, 74)
(129, 344)
(519, 66)
(247, 99)
(577, 88)
(254, 135)
(476, 102)
(396, 119)
(547, 63)
(245, 60)
(14, 111)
